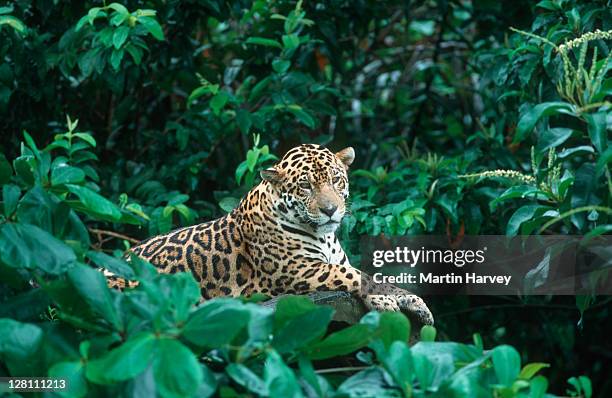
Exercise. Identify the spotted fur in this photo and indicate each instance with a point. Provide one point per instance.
(279, 240)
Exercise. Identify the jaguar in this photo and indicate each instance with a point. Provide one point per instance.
(280, 239)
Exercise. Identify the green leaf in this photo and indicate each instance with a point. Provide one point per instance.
(507, 364)
(74, 374)
(116, 57)
(290, 307)
(529, 119)
(531, 369)
(115, 265)
(19, 340)
(176, 370)
(279, 378)
(124, 362)
(202, 90)
(91, 285)
(218, 101)
(342, 342)
(263, 42)
(228, 203)
(7, 10)
(66, 175)
(291, 42)
(522, 214)
(13, 22)
(5, 170)
(398, 362)
(251, 159)
(603, 162)
(120, 36)
(243, 119)
(10, 198)
(247, 379)
(96, 204)
(597, 128)
(135, 53)
(392, 326)
(280, 66)
(24, 168)
(303, 116)
(27, 246)
(553, 137)
(120, 8)
(428, 333)
(538, 387)
(216, 323)
(432, 369)
(302, 330)
(152, 26)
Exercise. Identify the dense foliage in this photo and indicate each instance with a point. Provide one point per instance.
(467, 118)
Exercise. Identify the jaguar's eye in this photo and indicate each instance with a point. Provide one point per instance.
(304, 184)
(335, 180)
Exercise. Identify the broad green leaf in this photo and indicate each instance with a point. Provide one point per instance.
(303, 116)
(529, 119)
(432, 369)
(302, 330)
(398, 362)
(428, 333)
(13, 22)
(531, 369)
(124, 362)
(279, 378)
(10, 198)
(216, 323)
(91, 285)
(66, 175)
(116, 57)
(342, 342)
(120, 36)
(202, 90)
(74, 374)
(280, 65)
(371, 382)
(524, 213)
(120, 8)
(251, 159)
(263, 42)
(507, 364)
(95, 203)
(605, 159)
(176, 370)
(115, 265)
(228, 204)
(27, 246)
(553, 137)
(152, 26)
(247, 379)
(243, 119)
(19, 340)
(538, 387)
(5, 170)
(597, 128)
(218, 101)
(290, 307)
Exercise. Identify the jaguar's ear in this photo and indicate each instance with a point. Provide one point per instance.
(346, 156)
(271, 175)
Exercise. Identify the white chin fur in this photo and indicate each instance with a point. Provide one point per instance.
(328, 228)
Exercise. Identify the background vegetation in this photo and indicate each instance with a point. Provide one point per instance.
(462, 125)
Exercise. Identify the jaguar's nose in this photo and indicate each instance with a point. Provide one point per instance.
(329, 209)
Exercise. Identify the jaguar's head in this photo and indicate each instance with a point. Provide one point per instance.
(312, 186)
